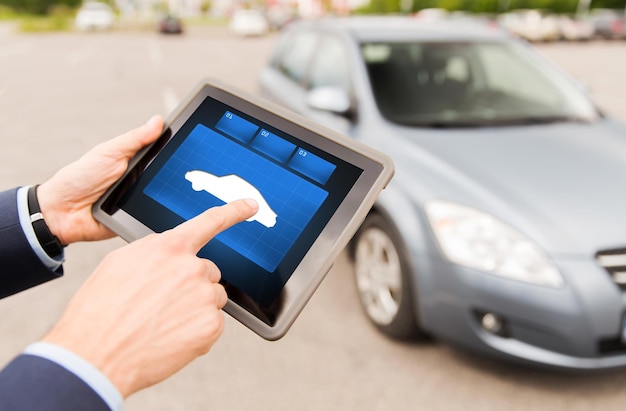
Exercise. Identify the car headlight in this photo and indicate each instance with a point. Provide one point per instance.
(478, 240)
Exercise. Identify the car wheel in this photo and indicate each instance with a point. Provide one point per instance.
(383, 280)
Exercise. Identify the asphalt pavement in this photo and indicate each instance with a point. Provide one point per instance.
(60, 94)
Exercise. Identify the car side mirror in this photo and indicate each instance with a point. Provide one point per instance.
(332, 99)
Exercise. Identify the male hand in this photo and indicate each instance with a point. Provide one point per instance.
(152, 306)
(66, 199)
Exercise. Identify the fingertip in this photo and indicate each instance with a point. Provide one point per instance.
(155, 121)
(151, 130)
(254, 206)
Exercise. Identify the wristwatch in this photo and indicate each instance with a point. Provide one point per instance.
(48, 241)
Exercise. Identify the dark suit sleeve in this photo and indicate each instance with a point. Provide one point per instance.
(31, 383)
(20, 268)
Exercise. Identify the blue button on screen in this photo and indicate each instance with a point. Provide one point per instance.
(237, 127)
(272, 145)
(208, 169)
(312, 166)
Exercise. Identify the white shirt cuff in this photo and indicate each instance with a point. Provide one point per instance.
(24, 215)
(82, 369)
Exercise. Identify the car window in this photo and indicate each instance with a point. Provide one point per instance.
(460, 84)
(296, 53)
(515, 78)
(457, 68)
(330, 67)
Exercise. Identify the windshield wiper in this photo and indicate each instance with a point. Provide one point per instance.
(494, 122)
(441, 124)
(548, 120)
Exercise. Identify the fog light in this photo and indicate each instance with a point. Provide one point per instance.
(492, 323)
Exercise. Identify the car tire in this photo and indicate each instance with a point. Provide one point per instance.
(383, 279)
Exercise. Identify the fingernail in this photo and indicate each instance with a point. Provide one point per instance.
(152, 120)
(252, 203)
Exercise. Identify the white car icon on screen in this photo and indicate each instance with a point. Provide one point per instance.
(230, 188)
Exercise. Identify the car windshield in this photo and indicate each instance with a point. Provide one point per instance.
(470, 84)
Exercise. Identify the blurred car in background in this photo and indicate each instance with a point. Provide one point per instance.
(608, 23)
(574, 29)
(473, 18)
(169, 24)
(249, 22)
(94, 16)
(531, 25)
(279, 16)
(432, 14)
(504, 229)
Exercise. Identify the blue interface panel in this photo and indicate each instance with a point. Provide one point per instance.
(242, 160)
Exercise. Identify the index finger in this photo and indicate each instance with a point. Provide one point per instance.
(200, 230)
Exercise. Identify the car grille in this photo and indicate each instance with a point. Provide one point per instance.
(615, 263)
(611, 346)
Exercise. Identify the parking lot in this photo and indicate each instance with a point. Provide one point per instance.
(60, 94)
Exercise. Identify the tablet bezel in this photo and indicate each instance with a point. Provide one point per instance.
(377, 169)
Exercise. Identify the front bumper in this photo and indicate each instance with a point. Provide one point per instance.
(576, 327)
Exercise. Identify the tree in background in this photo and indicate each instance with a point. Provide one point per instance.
(485, 6)
(377, 6)
(609, 4)
(38, 6)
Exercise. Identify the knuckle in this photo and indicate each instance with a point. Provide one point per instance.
(173, 242)
(215, 274)
(194, 269)
(219, 218)
(209, 294)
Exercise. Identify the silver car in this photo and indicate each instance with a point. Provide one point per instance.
(504, 230)
(94, 15)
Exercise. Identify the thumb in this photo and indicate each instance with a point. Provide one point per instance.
(129, 143)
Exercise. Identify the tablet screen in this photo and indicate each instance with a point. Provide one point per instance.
(221, 154)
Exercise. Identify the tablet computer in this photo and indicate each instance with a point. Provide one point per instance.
(314, 188)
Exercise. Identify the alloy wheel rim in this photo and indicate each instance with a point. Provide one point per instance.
(378, 275)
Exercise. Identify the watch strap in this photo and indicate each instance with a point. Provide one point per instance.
(48, 241)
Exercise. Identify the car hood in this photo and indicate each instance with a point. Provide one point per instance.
(563, 185)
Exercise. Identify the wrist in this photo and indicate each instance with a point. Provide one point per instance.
(50, 213)
(118, 373)
(80, 367)
(48, 241)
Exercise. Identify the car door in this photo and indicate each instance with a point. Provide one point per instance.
(303, 61)
(283, 81)
(330, 67)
